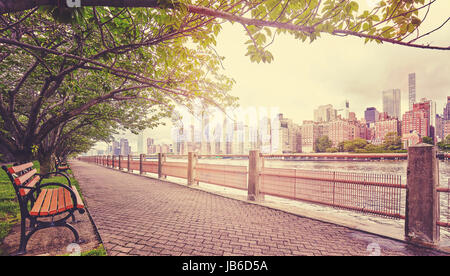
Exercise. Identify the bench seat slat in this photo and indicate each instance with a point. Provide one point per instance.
(61, 200)
(68, 199)
(37, 205)
(54, 202)
(46, 205)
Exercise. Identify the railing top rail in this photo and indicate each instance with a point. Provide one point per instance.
(351, 155)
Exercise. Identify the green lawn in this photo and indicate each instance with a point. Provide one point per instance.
(10, 211)
(9, 207)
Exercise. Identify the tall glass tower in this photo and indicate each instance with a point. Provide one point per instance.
(412, 90)
(392, 102)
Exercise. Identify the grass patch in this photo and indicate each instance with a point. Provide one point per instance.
(99, 251)
(9, 206)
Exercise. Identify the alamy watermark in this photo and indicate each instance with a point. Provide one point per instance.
(74, 249)
(251, 125)
(374, 249)
(73, 3)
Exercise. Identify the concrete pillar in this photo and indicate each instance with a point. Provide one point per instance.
(192, 163)
(254, 171)
(422, 201)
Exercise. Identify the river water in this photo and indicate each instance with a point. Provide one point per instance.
(373, 167)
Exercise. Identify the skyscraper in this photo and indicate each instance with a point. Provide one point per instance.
(429, 107)
(412, 89)
(125, 148)
(447, 109)
(140, 143)
(392, 102)
(371, 115)
(325, 113)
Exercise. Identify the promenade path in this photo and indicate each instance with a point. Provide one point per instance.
(137, 215)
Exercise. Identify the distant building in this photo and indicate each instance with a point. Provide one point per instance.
(151, 147)
(410, 139)
(309, 135)
(445, 128)
(125, 148)
(429, 107)
(382, 116)
(446, 115)
(385, 126)
(445, 122)
(325, 113)
(341, 130)
(392, 102)
(115, 148)
(288, 132)
(140, 143)
(412, 90)
(439, 131)
(371, 115)
(415, 121)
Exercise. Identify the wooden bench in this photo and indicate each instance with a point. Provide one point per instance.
(50, 200)
(61, 166)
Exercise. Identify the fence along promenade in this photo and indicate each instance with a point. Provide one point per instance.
(379, 194)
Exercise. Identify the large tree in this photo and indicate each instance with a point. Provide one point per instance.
(132, 65)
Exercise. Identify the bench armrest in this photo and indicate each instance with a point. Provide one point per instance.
(47, 175)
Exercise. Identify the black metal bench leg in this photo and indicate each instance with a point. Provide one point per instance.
(23, 237)
(74, 231)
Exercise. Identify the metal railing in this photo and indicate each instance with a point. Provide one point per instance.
(367, 193)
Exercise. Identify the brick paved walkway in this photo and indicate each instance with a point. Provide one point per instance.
(136, 215)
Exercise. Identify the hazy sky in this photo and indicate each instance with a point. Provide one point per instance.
(334, 69)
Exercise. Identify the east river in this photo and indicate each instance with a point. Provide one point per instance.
(373, 167)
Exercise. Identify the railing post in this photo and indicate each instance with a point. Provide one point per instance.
(113, 162)
(192, 163)
(128, 162)
(107, 161)
(141, 160)
(254, 171)
(422, 201)
(120, 162)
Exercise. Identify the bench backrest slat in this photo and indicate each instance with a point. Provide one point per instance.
(24, 177)
(19, 168)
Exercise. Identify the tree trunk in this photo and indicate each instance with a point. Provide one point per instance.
(47, 163)
(22, 156)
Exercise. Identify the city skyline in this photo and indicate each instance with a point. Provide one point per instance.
(304, 76)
